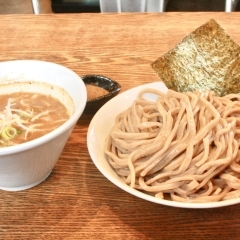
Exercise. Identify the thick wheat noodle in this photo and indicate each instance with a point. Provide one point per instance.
(167, 143)
(181, 147)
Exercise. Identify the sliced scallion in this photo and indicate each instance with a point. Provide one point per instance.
(9, 133)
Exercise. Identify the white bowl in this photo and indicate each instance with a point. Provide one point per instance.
(99, 129)
(28, 164)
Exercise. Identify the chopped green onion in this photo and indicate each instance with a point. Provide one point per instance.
(9, 133)
(19, 132)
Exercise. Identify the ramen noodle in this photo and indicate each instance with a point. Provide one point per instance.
(182, 147)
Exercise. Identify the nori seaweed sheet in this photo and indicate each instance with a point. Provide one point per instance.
(207, 59)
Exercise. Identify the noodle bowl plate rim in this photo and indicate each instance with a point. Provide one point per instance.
(100, 160)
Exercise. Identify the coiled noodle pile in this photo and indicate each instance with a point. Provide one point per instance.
(183, 146)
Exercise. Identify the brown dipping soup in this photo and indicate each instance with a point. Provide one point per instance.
(25, 116)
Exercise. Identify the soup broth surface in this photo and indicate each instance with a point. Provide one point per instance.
(27, 116)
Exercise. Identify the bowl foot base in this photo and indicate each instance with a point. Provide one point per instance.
(14, 189)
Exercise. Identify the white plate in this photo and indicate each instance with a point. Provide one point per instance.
(99, 129)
